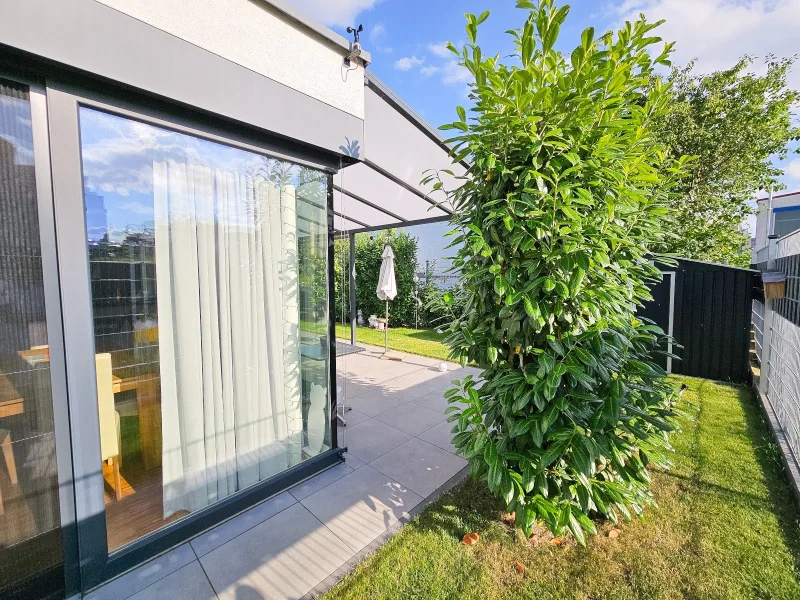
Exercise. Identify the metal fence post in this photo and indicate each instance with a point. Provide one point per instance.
(766, 348)
(766, 339)
(353, 309)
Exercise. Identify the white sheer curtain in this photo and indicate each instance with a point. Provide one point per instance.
(228, 322)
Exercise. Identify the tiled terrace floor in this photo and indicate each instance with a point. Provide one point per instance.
(301, 541)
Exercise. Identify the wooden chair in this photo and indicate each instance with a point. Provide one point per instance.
(110, 438)
(11, 465)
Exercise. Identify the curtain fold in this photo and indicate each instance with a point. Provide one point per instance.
(229, 340)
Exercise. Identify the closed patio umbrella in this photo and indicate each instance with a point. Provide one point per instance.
(387, 287)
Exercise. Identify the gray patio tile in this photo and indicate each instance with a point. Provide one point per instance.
(425, 375)
(149, 573)
(412, 392)
(434, 400)
(361, 506)
(187, 583)
(353, 462)
(353, 417)
(421, 467)
(283, 557)
(370, 439)
(445, 380)
(411, 418)
(355, 388)
(350, 387)
(228, 530)
(316, 483)
(439, 435)
(425, 361)
(393, 368)
(376, 401)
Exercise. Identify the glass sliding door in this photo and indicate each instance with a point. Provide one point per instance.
(209, 297)
(31, 555)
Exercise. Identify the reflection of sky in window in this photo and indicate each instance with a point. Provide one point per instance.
(118, 156)
(15, 127)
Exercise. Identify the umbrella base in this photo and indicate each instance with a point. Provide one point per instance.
(392, 355)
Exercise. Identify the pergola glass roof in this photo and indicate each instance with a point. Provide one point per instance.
(383, 189)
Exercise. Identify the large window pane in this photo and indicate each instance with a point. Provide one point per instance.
(210, 309)
(30, 542)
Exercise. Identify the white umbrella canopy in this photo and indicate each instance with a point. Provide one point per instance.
(387, 289)
(387, 285)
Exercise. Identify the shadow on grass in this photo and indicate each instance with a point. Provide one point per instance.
(781, 497)
(428, 335)
(468, 507)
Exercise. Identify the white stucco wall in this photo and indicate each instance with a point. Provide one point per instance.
(256, 36)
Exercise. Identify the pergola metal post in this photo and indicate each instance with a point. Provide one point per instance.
(353, 310)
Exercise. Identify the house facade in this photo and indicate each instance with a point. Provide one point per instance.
(778, 216)
(167, 214)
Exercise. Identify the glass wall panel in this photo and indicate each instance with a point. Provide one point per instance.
(30, 542)
(209, 289)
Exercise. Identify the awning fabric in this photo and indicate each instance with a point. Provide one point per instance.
(383, 189)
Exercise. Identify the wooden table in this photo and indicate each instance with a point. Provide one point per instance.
(148, 403)
(11, 403)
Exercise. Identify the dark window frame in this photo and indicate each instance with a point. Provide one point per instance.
(97, 565)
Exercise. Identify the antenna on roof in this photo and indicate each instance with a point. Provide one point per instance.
(355, 46)
(355, 33)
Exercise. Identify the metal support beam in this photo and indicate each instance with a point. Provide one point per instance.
(407, 187)
(414, 223)
(353, 310)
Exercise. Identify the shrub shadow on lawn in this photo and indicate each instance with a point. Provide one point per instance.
(783, 502)
(467, 508)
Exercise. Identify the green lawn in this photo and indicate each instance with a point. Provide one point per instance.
(727, 527)
(425, 342)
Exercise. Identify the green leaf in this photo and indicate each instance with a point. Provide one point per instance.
(554, 452)
(531, 308)
(586, 37)
(491, 354)
(576, 530)
(500, 285)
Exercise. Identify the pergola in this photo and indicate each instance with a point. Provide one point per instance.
(382, 190)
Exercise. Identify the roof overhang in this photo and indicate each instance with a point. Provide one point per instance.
(383, 189)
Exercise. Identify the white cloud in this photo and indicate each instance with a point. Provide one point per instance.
(377, 33)
(408, 62)
(334, 12)
(429, 70)
(718, 32)
(455, 73)
(440, 49)
(793, 169)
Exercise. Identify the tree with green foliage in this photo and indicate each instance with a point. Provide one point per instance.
(567, 194)
(369, 249)
(735, 123)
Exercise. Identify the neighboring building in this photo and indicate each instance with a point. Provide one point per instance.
(164, 376)
(96, 216)
(783, 219)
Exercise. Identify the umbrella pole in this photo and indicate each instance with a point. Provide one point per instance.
(386, 330)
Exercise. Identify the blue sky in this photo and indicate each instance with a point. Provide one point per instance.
(405, 39)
